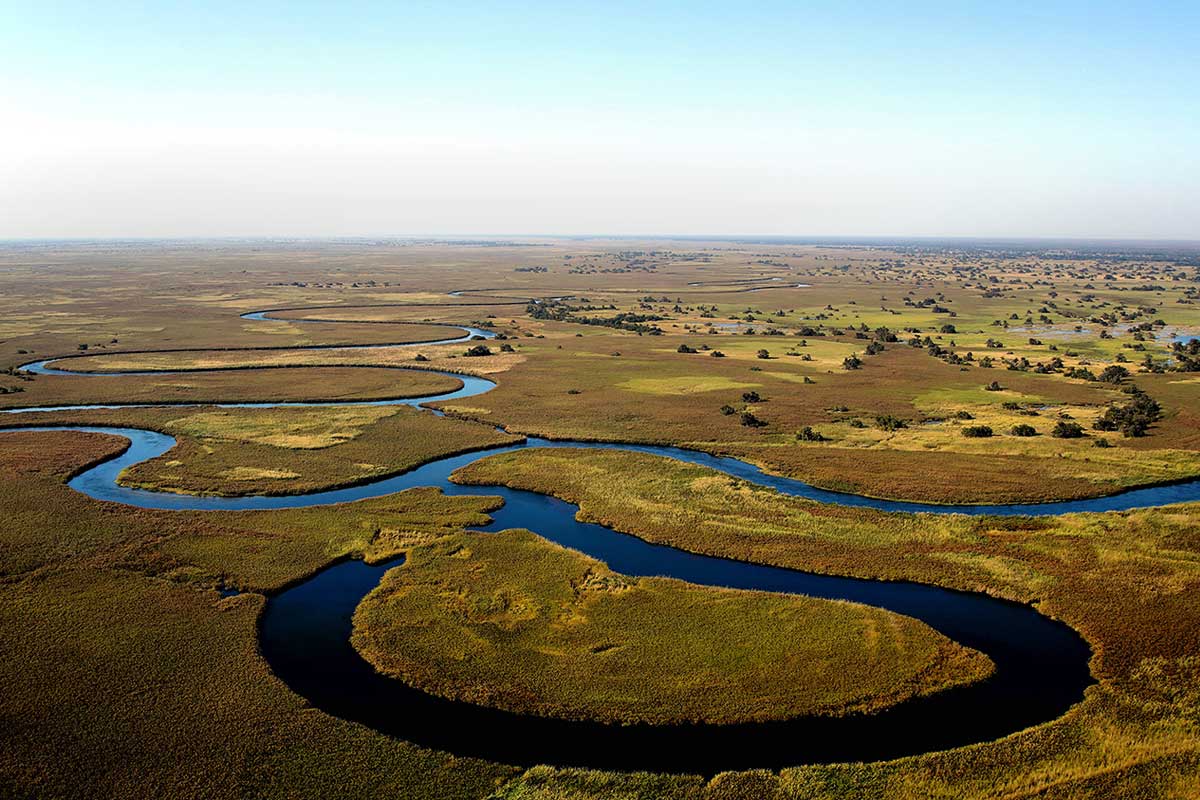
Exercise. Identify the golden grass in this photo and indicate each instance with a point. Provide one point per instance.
(513, 621)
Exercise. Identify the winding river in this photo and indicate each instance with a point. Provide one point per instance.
(1041, 664)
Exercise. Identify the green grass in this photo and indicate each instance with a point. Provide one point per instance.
(513, 621)
(237, 451)
(1127, 581)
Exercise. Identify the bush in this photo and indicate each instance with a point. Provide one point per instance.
(807, 434)
(889, 423)
(717, 354)
(963, 415)
(683, 348)
(751, 421)
(479, 350)
(851, 362)
(763, 354)
(1067, 430)
(751, 397)
(507, 348)
(994, 386)
(1023, 430)
(1114, 374)
(977, 431)
(1132, 419)
(728, 409)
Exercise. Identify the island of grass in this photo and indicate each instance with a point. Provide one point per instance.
(282, 450)
(513, 621)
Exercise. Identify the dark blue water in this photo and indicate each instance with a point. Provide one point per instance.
(1041, 665)
(1041, 668)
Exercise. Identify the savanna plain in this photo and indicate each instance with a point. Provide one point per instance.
(940, 373)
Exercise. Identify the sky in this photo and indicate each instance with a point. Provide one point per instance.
(1057, 119)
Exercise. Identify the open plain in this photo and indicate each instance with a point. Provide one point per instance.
(1009, 424)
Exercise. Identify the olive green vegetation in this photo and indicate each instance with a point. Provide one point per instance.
(1127, 581)
(334, 384)
(126, 675)
(513, 621)
(234, 451)
(581, 391)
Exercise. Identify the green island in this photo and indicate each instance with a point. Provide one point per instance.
(513, 621)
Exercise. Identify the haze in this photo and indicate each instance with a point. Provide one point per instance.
(955, 119)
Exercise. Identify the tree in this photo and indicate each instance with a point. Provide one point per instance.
(751, 421)
(1067, 430)
(1114, 373)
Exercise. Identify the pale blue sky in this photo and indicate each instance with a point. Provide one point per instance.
(991, 119)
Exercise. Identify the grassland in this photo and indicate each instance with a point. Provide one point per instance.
(513, 621)
(237, 451)
(333, 384)
(125, 674)
(1126, 581)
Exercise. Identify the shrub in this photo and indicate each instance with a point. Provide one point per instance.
(728, 409)
(1114, 373)
(683, 348)
(751, 421)
(851, 362)
(763, 354)
(889, 423)
(751, 397)
(1067, 430)
(1023, 430)
(994, 386)
(963, 415)
(977, 431)
(479, 350)
(807, 434)
(717, 354)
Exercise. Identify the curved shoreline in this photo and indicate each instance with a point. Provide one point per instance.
(1041, 664)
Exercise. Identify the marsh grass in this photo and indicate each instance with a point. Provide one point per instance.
(513, 621)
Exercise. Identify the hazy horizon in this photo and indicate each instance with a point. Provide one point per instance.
(935, 120)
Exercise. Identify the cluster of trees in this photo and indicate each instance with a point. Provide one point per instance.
(627, 321)
(1133, 418)
(1187, 356)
